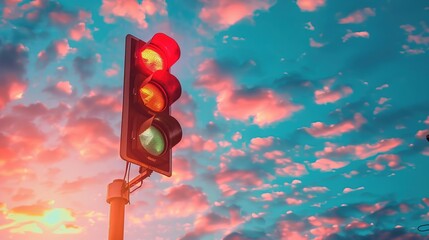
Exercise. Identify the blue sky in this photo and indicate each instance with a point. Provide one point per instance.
(301, 119)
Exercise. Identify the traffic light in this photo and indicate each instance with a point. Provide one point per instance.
(148, 131)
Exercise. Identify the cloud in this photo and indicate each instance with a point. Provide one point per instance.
(103, 103)
(349, 190)
(213, 222)
(92, 138)
(358, 16)
(132, 10)
(258, 143)
(315, 44)
(113, 71)
(56, 50)
(196, 143)
(393, 162)
(259, 105)
(13, 63)
(361, 151)
(61, 88)
(292, 169)
(182, 201)
(183, 170)
(79, 31)
(363, 34)
(310, 5)
(326, 95)
(184, 110)
(327, 165)
(85, 66)
(225, 13)
(319, 129)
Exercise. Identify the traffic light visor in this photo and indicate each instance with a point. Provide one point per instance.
(153, 141)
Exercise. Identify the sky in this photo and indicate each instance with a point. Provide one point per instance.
(302, 119)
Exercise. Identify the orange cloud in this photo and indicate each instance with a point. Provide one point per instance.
(224, 13)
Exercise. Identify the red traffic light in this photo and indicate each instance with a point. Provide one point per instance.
(160, 53)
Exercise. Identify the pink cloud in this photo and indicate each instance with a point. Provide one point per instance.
(13, 84)
(212, 222)
(80, 31)
(212, 78)
(361, 151)
(224, 13)
(23, 194)
(319, 129)
(326, 95)
(292, 169)
(358, 16)
(184, 110)
(181, 201)
(349, 190)
(132, 10)
(183, 170)
(289, 229)
(316, 189)
(259, 143)
(237, 136)
(101, 103)
(310, 5)
(61, 18)
(262, 106)
(271, 196)
(422, 133)
(273, 154)
(52, 155)
(293, 201)
(315, 44)
(326, 165)
(241, 177)
(393, 161)
(196, 143)
(368, 208)
(113, 71)
(64, 87)
(233, 152)
(350, 34)
(356, 224)
(322, 232)
(91, 138)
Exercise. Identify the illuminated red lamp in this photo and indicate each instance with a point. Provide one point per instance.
(160, 53)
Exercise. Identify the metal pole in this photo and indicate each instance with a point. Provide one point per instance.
(117, 197)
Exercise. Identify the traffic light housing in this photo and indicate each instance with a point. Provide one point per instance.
(148, 131)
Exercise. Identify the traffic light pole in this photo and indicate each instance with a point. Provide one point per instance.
(118, 194)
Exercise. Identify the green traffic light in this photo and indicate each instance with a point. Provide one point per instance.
(152, 140)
